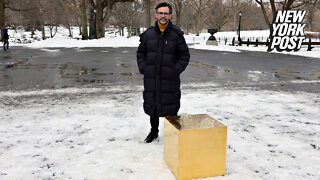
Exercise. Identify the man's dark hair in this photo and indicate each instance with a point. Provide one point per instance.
(164, 4)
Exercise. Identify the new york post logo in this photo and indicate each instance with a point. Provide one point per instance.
(286, 31)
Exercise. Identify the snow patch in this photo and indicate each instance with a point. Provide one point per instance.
(97, 133)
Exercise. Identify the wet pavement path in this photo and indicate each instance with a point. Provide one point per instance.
(50, 68)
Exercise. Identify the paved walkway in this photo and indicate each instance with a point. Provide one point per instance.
(24, 68)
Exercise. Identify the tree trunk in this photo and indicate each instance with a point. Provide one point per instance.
(70, 30)
(178, 8)
(2, 17)
(147, 11)
(99, 19)
(56, 29)
(273, 8)
(310, 19)
(42, 23)
(265, 14)
(197, 23)
(51, 28)
(80, 29)
(83, 12)
(235, 22)
(288, 5)
(235, 10)
(102, 16)
(129, 31)
(42, 30)
(32, 31)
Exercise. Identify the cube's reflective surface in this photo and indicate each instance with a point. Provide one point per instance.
(195, 146)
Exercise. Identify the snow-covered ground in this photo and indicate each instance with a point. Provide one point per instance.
(61, 39)
(97, 133)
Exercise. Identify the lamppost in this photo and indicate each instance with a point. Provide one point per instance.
(95, 23)
(239, 39)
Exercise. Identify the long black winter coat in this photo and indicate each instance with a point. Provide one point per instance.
(5, 34)
(161, 58)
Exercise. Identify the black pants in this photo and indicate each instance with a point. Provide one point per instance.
(5, 42)
(154, 121)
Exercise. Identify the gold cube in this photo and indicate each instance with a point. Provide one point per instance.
(195, 146)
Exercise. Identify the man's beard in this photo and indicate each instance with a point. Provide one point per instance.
(164, 22)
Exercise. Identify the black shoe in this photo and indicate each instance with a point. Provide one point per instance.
(151, 137)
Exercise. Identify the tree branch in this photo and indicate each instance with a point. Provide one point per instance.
(29, 10)
(265, 13)
(257, 1)
(92, 3)
(273, 7)
(283, 4)
(288, 5)
(298, 5)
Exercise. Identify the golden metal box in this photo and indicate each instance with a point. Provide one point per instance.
(195, 146)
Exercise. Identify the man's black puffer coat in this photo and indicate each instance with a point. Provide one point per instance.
(161, 58)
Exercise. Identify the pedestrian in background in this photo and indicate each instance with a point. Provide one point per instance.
(161, 57)
(5, 38)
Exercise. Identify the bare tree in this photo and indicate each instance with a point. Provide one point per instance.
(199, 7)
(218, 14)
(136, 19)
(119, 16)
(76, 14)
(234, 6)
(72, 11)
(103, 8)
(311, 6)
(54, 10)
(187, 19)
(278, 5)
(134, 13)
(39, 4)
(177, 7)
(2, 15)
(13, 5)
(252, 18)
(147, 4)
(127, 15)
(83, 10)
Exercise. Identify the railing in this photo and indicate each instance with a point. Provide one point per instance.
(307, 42)
(196, 39)
(245, 40)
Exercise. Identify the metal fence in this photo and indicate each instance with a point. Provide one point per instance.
(228, 40)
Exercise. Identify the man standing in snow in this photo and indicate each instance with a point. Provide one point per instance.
(5, 38)
(161, 57)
